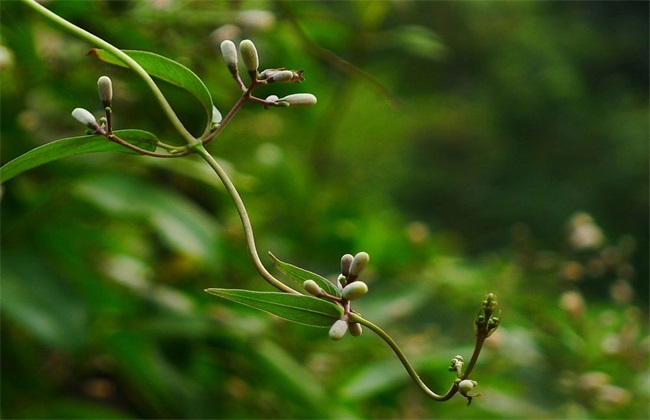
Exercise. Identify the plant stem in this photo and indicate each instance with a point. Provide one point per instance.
(245, 220)
(93, 39)
(480, 339)
(400, 355)
(242, 99)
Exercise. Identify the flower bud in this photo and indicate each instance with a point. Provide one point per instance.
(229, 54)
(466, 386)
(249, 55)
(300, 99)
(216, 116)
(105, 88)
(312, 287)
(346, 261)
(282, 76)
(338, 329)
(85, 117)
(355, 329)
(272, 98)
(341, 281)
(358, 263)
(354, 290)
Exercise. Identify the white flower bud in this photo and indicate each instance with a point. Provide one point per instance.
(358, 263)
(272, 98)
(355, 329)
(338, 329)
(346, 261)
(354, 290)
(105, 88)
(312, 287)
(300, 99)
(249, 55)
(282, 76)
(229, 54)
(466, 386)
(85, 117)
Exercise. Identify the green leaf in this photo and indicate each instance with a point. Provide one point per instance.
(165, 69)
(299, 275)
(72, 146)
(302, 309)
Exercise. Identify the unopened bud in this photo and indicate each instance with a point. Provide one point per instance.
(466, 386)
(272, 98)
(338, 329)
(341, 281)
(300, 99)
(354, 290)
(355, 329)
(216, 116)
(346, 261)
(359, 263)
(85, 117)
(229, 54)
(105, 88)
(249, 55)
(282, 76)
(312, 287)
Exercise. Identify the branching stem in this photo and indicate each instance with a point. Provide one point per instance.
(93, 39)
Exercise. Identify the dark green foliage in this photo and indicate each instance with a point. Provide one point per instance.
(457, 161)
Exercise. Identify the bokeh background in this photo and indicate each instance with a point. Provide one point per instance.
(468, 147)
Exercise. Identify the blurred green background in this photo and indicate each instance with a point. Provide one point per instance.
(483, 147)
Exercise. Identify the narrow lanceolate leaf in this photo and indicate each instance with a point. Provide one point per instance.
(165, 69)
(302, 309)
(72, 146)
(299, 275)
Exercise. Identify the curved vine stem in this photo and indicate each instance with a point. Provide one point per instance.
(245, 220)
(402, 357)
(93, 39)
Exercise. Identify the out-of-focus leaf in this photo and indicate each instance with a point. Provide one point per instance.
(302, 309)
(419, 41)
(72, 146)
(299, 275)
(41, 302)
(165, 69)
(184, 226)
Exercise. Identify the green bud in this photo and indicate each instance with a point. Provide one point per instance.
(216, 116)
(249, 55)
(346, 261)
(355, 329)
(105, 88)
(338, 329)
(341, 281)
(312, 287)
(300, 99)
(229, 54)
(354, 290)
(359, 263)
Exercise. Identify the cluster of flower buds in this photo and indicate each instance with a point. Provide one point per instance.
(250, 59)
(351, 289)
(486, 322)
(85, 117)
